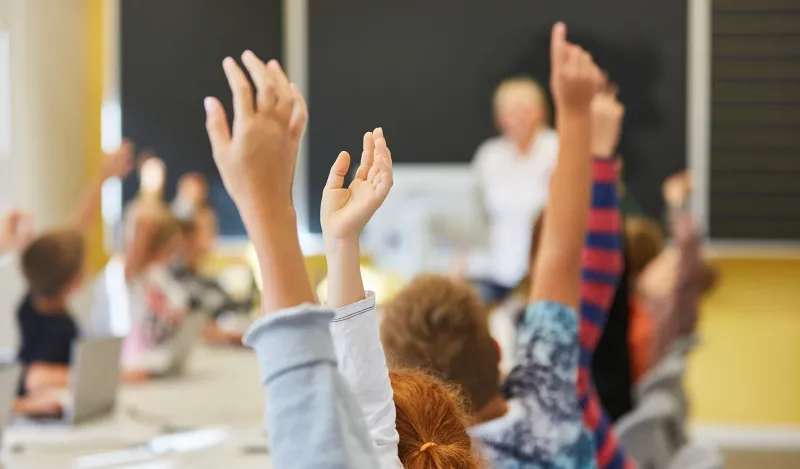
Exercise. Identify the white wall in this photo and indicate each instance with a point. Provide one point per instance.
(44, 170)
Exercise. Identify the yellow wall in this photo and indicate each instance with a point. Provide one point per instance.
(747, 372)
(94, 95)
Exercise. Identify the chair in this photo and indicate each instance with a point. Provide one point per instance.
(684, 345)
(667, 375)
(697, 457)
(651, 434)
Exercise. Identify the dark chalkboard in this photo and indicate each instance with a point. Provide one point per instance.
(425, 71)
(754, 175)
(171, 54)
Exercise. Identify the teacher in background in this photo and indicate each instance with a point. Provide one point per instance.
(513, 172)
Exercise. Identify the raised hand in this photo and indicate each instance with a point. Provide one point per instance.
(676, 189)
(574, 77)
(257, 160)
(345, 211)
(119, 163)
(16, 231)
(607, 114)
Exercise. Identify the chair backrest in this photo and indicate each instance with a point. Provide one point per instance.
(666, 376)
(698, 457)
(683, 345)
(651, 434)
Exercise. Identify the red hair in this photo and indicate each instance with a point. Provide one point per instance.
(432, 423)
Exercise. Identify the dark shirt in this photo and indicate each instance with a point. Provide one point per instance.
(611, 364)
(206, 294)
(45, 337)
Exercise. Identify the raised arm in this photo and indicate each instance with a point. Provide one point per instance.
(687, 236)
(574, 81)
(356, 335)
(601, 265)
(117, 164)
(312, 417)
(16, 230)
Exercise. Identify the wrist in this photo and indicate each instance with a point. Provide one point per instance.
(339, 250)
(602, 151)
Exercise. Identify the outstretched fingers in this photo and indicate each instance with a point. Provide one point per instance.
(219, 133)
(338, 171)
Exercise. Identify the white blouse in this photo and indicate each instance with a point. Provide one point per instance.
(514, 189)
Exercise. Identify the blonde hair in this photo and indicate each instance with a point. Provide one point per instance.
(518, 89)
(440, 325)
(432, 423)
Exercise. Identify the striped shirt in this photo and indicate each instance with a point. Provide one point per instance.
(600, 273)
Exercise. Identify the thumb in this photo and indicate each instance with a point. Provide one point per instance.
(338, 171)
(219, 133)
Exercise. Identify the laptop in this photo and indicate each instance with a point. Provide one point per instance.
(10, 375)
(94, 379)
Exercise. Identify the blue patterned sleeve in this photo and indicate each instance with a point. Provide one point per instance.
(544, 382)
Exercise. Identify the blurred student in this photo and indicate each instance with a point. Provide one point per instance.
(53, 266)
(313, 418)
(157, 301)
(414, 419)
(191, 195)
(513, 172)
(671, 285)
(199, 234)
(535, 420)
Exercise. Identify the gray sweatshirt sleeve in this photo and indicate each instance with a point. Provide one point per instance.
(312, 419)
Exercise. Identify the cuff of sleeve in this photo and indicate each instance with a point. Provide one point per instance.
(603, 169)
(356, 309)
(291, 338)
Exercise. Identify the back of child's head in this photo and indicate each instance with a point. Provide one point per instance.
(53, 262)
(165, 234)
(644, 241)
(432, 423)
(440, 325)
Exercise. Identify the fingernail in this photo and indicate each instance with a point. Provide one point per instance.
(208, 103)
(274, 64)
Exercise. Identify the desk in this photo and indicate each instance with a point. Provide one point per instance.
(220, 395)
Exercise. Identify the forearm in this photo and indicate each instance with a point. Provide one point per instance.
(602, 253)
(345, 284)
(557, 270)
(361, 360)
(46, 376)
(283, 273)
(89, 206)
(304, 390)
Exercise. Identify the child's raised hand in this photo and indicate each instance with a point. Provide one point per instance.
(119, 163)
(677, 188)
(607, 114)
(257, 160)
(16, 231)
(345, 211)
(574, 77)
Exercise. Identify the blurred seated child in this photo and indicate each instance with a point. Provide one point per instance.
(157, 301)
(191, 196)
(205, 293)
(672, 285)
(644, 242)
(53, 266)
